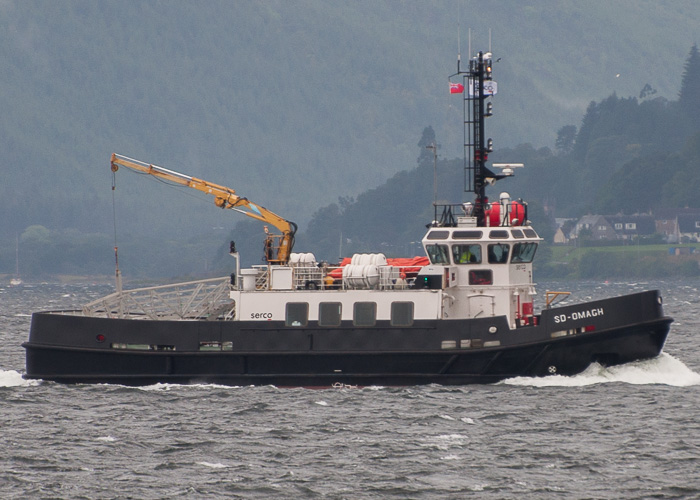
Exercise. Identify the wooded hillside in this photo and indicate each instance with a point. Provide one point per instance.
(293, 104)
(629, 155)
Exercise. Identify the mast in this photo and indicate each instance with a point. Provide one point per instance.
(479, 87)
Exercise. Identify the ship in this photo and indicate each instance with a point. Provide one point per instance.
(463, 313)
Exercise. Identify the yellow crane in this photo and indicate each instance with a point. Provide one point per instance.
(278, 247)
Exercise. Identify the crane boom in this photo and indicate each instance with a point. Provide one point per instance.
(277, 247)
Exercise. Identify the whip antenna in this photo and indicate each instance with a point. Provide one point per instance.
(459, 43)
(469, 44)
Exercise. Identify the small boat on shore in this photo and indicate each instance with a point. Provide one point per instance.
(464, 313)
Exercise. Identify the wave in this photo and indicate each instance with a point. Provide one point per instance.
(166, 386)
(12, 378)
(664, 370)
(213, 465)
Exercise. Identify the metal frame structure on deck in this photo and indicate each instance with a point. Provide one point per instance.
(202, 299)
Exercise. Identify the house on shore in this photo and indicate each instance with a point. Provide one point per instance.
(677, 225)
(613, 227)
(593, 227)
(564, 227)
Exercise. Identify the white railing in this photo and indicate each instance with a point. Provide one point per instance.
(203, 299)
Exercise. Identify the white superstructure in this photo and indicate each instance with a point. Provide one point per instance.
(473, 272)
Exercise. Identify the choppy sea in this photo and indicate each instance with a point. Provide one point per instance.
(609, 433)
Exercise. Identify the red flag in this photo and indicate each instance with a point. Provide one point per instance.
(456, 88)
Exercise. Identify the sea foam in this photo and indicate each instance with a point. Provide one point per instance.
(12, 378)
(213, 465)
(664, 369)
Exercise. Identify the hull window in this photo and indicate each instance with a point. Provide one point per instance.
(329, 313)
(365, 314)
(401, 313)
(297, 314)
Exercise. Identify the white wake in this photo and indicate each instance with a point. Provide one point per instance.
(12, 378)
(664, 369)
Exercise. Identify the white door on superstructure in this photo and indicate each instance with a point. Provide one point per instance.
(481, 306)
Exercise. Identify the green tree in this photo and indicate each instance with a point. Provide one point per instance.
(566, 138)
(689, 95)
(428, 139)
(647, 91)
(36, 235)
(638, 185)
(585, 132)
(682, 187)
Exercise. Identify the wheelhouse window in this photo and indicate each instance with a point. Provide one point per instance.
(523, 252)
(438, 254)
(467, 235)
(498, 234)
(329, 313)
(481, 277)
(297, 314)
(498, 253)
(365, 314)
(466, 254)
(530, 233)
(401, 313)
(438, 235)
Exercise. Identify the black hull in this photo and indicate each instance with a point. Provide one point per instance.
(565, 341)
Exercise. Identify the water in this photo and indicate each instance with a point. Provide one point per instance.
(622, 432)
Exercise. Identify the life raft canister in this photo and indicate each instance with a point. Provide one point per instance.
(514, 209)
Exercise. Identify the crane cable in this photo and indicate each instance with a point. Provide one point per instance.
(118, 275)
